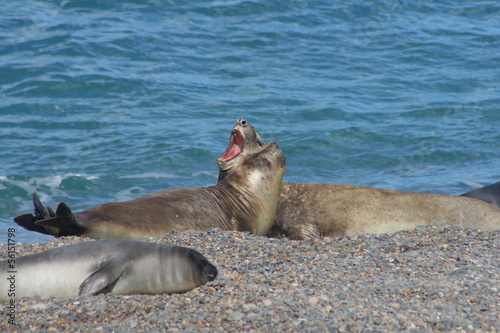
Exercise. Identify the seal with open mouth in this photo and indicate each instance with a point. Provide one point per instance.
(106, 266)
(243, 138)
(245, 200)
(321, 210)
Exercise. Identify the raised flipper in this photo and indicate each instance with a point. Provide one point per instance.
(27, 221)
(103, 280)
(46, 221)
(40, 211)
(64, 222)
(51, 212)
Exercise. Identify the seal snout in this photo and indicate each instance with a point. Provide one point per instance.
(279, 153)
(274, 146)
(209, 271)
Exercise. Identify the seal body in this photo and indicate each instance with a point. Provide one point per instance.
(321, 210)
(325, 210)
(489, 193)
(246, 200)
(106, 266)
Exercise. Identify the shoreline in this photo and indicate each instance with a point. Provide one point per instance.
(433, 278)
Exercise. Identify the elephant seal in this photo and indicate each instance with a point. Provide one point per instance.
(243, 138)
(323, 210)
(246, 200)
(106, 266)
(489, 193)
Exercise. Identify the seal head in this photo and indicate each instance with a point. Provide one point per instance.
(244, 140)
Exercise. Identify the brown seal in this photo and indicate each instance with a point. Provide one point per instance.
(322, 210)
(246, 200)
(243, 138)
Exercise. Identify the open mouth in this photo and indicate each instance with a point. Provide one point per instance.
(235, 147)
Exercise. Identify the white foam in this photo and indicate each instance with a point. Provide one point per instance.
(50, 181)
(473, 185)
(130, 193)
(32, 184)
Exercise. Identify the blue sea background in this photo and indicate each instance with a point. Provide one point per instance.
(105, 101)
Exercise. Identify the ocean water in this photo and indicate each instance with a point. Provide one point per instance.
(108, 100)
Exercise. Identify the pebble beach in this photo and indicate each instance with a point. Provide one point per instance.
(431, 279)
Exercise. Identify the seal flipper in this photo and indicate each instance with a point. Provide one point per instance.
(63, 222)
(103, 280)
(40, 211)
(51, 212)
(28, 221)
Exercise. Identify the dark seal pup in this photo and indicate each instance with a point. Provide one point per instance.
(106, 266)
(489, 193)
(246, 200)
(323, 210)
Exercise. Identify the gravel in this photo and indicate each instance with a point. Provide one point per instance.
(430, 279)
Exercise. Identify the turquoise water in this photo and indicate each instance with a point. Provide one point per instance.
(105, 101)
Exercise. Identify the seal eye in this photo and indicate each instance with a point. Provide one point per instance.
(260, 143)
(242, 122)
(265, 162)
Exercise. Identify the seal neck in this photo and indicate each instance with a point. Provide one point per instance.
(222, 175)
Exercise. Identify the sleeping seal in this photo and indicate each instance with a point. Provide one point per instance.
(322, 210)
(246, 200)
(489, 193)
(106, 266)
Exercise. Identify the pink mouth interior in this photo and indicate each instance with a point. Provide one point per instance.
(235, 147)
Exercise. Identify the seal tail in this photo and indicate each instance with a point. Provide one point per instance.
(46, 221)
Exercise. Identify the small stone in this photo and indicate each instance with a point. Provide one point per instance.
(249, 307)
(313, 300)
(38, 306)
(235, 316)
